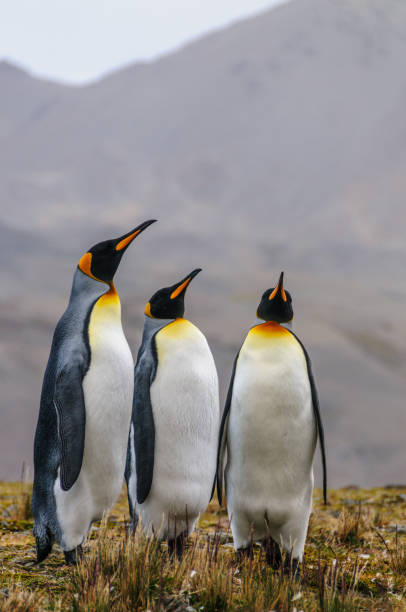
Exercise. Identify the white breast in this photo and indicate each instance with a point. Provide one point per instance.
(185, 403)
(272, 433)
(108, 392)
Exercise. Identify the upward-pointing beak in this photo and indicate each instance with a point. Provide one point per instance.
(124, 241)
(279, 290)
(183, 284)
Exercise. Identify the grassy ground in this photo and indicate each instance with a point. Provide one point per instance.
(355, 559)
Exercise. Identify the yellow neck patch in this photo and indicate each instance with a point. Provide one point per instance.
(178, 328)
(173, 337)
(270, 328)
(106, 315)
(266, 335)
(109, 302)
(274, 344)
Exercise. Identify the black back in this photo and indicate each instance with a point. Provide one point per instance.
(60, 444)
(142, 449)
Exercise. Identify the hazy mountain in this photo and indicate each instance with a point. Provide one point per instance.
(278, 143)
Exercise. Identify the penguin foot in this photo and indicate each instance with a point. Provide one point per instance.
(244, 553)
(178, 545)
(43, 550)
(273, 553)
(73, 556)
(43, 543)
(132, 528)
(291, 567)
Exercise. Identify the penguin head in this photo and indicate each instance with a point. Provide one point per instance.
(276, 304)
(102, 260)
(169, 303)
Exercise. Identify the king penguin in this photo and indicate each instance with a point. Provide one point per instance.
(85, 410)
(269, 428)
(172, 450)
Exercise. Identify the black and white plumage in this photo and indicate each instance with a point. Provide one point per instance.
(81, 435)
(269, 432)
(171, 459)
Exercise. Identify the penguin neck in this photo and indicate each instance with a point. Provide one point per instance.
(288, 325)
(86, 288)
(152, 324)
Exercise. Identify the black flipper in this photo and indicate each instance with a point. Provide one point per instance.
(70, 407)
(143, 421)
(223, 435)
(43, 541)
(316, 410)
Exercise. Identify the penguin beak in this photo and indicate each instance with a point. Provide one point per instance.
(279, 290)
(124, 241)
(183, 284)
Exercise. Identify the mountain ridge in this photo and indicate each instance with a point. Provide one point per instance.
(277, 143)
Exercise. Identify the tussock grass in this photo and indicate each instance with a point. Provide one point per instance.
(355, 559)
(20, 509)
(337, 586)
(15, 600)
(137, 573)
(397, 554)
(352, 525)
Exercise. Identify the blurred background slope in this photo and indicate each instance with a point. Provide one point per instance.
(277, 143)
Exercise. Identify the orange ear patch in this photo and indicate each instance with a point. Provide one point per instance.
(148, 310)
(84, 265)
(179, 289)
(125, 241)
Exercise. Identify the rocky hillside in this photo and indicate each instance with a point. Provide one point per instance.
(277, 143)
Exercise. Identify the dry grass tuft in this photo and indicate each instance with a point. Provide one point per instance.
(397, 554)
(348, 564)
(136, 573)
(337, 586)
(21, 509)
(15, 600)
(352, 526)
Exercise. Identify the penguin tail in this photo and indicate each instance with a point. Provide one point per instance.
(43, 542)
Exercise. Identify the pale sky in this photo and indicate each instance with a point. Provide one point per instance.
(78, 40)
